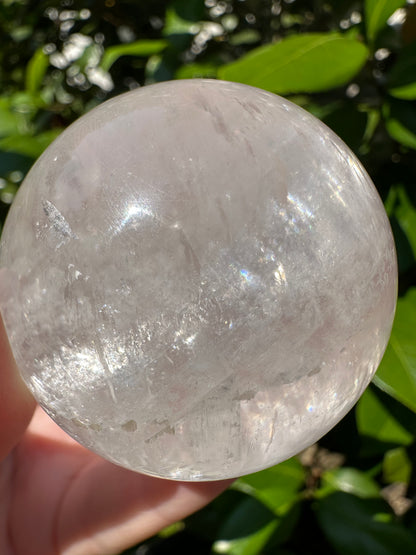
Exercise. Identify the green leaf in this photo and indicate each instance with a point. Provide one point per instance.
(376, 422)
(142, 48)
(397, 467)
(402, 77)
(247, 36)
(28, 145)
(348, 480)
(192, 71)
(362, 526)
(406, 92)
(189, 10)
(300, 63)
(9, 121)
(276, 487)
(209, 520)
(175, 24)
(377, 12)
(400, 119)
(247, 530)
(401, 209)
(397, 372)
(402, 214)
(349, 123)
(11, 161)
(35, 71)
(398, 131)
(172, 529)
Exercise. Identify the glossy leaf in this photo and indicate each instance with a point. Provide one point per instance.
(348, 480)
(377, 12)
(348, 123)
(208, 521)
(402, 213)
(276, 487)
(247, 530)
(354, 526)
(182, 16)
(28, 145)
(398, 131)
(397, 372)
(376, 422)
(194, 71)
(400, 207)
(397, 467)
(175, 25)
(406, 92)
(401, 122)
(300, 63)
(402, 77)
(142, 48)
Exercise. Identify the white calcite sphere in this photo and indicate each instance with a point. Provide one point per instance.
(199, 279)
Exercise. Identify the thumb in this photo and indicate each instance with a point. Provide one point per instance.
(16, 403)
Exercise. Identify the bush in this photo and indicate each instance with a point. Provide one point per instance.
(352, 64)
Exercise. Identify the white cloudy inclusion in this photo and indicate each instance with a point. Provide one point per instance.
(198, 280)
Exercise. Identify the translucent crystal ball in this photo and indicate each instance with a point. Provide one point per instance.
(199, 279)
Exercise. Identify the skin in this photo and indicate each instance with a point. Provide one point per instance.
(56, 497)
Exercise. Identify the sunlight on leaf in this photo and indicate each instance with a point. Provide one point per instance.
(300, 63)
(277, 487)
(349, 480)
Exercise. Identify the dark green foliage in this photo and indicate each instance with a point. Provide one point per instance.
(351, 63)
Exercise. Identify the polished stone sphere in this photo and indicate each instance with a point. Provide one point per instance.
(198, 279)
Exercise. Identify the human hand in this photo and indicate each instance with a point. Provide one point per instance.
(58, 498)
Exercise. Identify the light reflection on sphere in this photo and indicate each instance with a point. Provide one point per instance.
(199, 279)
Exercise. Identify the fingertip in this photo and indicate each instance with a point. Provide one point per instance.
(16, 402)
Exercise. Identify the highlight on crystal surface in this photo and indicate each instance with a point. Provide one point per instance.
(198, 279)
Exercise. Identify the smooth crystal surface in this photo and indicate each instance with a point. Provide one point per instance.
(198, 279)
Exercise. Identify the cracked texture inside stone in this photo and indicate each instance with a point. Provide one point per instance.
(198, 280)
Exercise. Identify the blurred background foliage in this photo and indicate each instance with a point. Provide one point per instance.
(353, 65)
